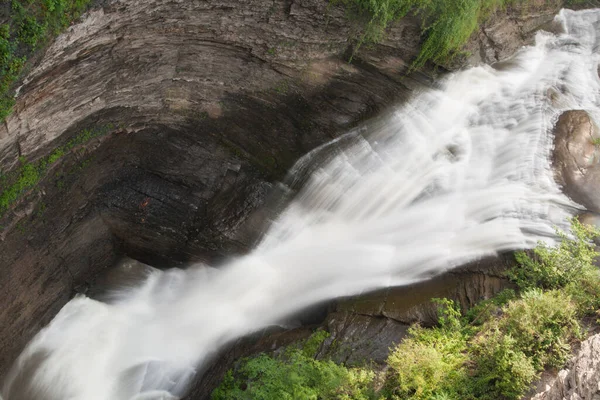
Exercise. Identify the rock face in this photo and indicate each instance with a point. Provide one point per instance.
(577, 158)
(581, 381)
(207, 103)
(466, 286)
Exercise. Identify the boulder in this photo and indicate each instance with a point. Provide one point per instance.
(577, 158)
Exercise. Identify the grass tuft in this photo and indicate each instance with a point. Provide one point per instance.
(447, 26)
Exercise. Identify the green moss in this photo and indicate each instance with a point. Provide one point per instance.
(314, 342)
(283, 87)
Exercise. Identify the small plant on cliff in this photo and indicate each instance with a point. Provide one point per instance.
(431, 363)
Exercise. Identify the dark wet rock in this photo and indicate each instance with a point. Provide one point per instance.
(409, 304)
(577, 158)
(360, 339)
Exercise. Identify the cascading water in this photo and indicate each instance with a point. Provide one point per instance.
(458, 173)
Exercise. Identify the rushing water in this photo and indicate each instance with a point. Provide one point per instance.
(459, 172)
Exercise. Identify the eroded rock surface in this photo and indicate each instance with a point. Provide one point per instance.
(581, 380)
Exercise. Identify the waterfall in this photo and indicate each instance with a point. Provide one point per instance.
(459, 172)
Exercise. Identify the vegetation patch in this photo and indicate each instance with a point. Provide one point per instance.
(447, 24)
(28, 25)
(494, 351)
(295, 374)
(28, 174)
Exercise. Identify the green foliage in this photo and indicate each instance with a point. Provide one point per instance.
(542, 325)
(313, 343)
(449, 314)
(448, 24)
(28, 176)
(487, 309)
(569, 266)
(497, 359)
(29, 26)
(503, 370)
(295, 375)
(429, 363)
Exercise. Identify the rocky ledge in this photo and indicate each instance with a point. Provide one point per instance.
(581, 380)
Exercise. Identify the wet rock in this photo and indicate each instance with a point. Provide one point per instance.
(577, 158)
(581, 380)
(409, 304)
(360, 339)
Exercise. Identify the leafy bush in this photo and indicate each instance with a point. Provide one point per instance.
(569, 266)
(503, 370)
(429, 363)
(542, 325)
(487, 309)
(295, 375)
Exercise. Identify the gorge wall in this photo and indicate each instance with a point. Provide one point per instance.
(203, 105)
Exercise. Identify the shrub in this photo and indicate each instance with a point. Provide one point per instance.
(556, 267)
(503, 370)
(295, 375)
(569, 266)
(542, 325)
(429, 363)
(487, 309)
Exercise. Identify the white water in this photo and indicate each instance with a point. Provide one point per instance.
(458, 173)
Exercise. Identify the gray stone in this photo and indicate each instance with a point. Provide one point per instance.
(581, 380)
